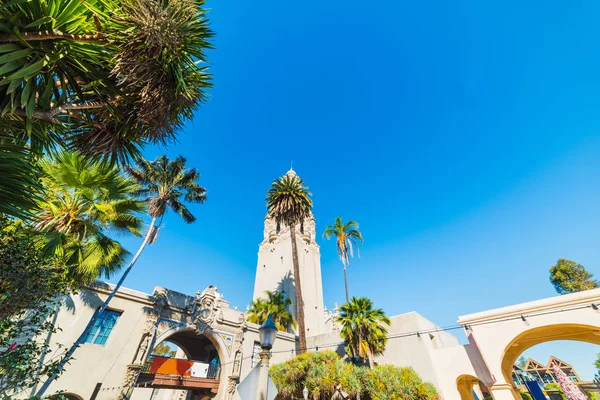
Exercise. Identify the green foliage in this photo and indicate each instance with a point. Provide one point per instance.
(324, 374)
(288, 200)
(525, 395)
(521, 362)
(164, 184)
(29, 283)
(164, 349)
(85, 201)
(26, 274)
(363, 328)
(103, 76)
(556, 387)
(569, 277)
(593, 395)
(19, 186)
(597, 363)
(276, 305)
(347, 238)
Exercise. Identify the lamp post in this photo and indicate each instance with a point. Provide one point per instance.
(267, 334)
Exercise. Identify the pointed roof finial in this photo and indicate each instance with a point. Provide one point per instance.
(291, 172)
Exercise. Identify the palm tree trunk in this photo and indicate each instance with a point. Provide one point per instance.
(98, 312)
(346, 282)
(370, 357)
(299, 301)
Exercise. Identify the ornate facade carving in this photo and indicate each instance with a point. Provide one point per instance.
(204, 309)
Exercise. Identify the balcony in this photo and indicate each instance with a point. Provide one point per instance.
(176, 373)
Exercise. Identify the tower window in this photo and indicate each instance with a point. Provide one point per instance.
(103, 327)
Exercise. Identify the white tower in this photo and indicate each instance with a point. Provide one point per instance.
(275, 270)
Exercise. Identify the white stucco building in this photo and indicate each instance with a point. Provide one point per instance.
(218, 348)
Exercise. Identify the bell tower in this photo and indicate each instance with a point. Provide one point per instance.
(275, 270)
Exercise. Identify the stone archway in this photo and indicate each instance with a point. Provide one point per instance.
(196, 347)
(467, 383)
(499, 336)
(548, 333)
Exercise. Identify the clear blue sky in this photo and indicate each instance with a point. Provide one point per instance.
(463, 136)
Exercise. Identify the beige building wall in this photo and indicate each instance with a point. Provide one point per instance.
(94, 363)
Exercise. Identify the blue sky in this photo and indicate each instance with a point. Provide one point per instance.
(463, 136)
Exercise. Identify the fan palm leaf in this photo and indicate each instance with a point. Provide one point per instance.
(363, 328)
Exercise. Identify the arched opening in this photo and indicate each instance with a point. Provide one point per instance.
(538, 335)
(183, 360)
(471, 388)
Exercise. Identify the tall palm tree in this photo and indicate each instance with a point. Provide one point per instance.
(363, 329)
(83, 202)
(164, 184)
(289, 203)
(276, 305)
(347, 238)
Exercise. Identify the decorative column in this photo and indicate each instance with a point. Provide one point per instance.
(144, 347)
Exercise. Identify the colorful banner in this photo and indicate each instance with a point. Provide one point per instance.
(171, 366)
(570, 390)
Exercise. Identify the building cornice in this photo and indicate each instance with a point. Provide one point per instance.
(564, 302)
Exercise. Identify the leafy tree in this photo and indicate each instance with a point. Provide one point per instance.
(521, 362)
(289, 203)
(597, 364)
(163, 349)
(276, 305)
(26, 274)
(347, 238)
(29, 282)
(164, 185)
(101, 76)
(85, 201)
(569, 277)
(363, 329)
(325, 375)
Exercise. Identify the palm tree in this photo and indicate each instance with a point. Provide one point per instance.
(83, 202)
(363, 328)
(347, 236)
(164, 184)
(125, 74)
(276, 305)
(289, 203)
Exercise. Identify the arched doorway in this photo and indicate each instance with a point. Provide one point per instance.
(472, 388)
(538, 335)
(191, 363)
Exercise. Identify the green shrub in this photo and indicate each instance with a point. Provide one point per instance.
(556, 387)
(526, 396)
(593, 396)
(324, 374)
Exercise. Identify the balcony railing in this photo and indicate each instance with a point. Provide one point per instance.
(181, 367)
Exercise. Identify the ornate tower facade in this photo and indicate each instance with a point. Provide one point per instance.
(275, 270)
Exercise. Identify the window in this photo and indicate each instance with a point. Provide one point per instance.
(102, 328)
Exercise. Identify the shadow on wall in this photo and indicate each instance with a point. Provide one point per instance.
(286, 284)
(88, 297)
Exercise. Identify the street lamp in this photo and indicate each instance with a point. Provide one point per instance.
(267, 333)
